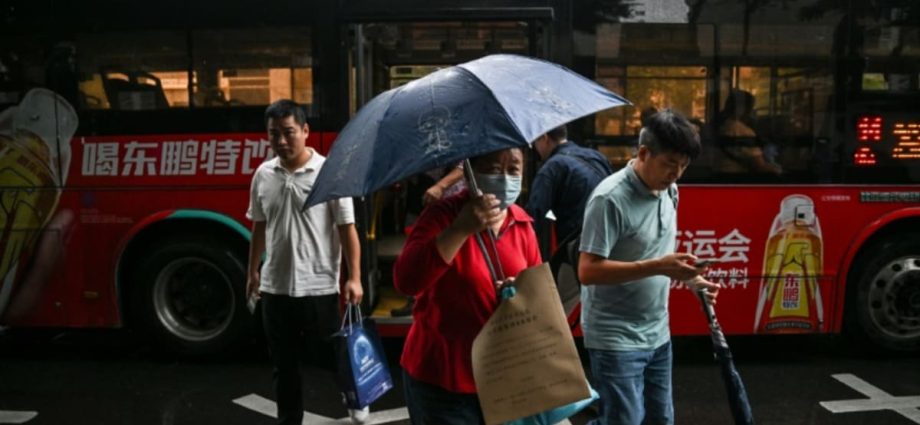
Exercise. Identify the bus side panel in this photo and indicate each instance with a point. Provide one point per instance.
(858, 243)
(734, 226)
(114, 183)
(50, 289)
(123, 241)
(734, 223)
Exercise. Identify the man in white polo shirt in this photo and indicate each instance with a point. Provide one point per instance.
(299, 281)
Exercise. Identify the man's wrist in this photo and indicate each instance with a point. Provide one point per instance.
(646, 266)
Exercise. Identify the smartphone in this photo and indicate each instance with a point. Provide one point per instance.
(704, 263)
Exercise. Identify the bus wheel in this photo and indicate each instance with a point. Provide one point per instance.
(888, 295)
(189, 296)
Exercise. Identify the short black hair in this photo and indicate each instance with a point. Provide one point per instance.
(670, 131)
(558, 134)
(281, 109)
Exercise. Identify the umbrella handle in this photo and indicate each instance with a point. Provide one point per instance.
(470, 179)
(495, 268)
(715, 329)
(707, 307)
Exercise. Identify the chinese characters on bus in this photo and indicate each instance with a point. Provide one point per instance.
(173, 157)
(729, 250)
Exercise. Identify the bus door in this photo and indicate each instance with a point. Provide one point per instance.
(385, 55)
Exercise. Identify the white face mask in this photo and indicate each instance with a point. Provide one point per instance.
(505, 187)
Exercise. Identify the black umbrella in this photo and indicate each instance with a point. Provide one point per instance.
(737, 396)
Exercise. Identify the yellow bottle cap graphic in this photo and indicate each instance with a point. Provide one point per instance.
(798, 209)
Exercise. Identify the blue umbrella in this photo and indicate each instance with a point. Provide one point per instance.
(482, 106)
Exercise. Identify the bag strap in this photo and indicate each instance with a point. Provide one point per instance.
(352, 317)
(495, 267)
(675, 197)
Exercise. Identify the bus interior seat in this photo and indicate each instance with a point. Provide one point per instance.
(133, 90)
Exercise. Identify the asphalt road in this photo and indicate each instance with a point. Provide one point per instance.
(110, 377)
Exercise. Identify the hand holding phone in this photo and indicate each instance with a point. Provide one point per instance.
(704, 263)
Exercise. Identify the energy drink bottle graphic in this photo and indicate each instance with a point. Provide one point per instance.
(790, 297)
(34, 145)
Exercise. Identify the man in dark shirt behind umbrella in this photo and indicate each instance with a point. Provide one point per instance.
(564, 182)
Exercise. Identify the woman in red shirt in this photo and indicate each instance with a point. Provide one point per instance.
(443, 266)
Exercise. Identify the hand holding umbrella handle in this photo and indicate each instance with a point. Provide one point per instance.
(715, 330)
(495, 268)
(470, 180)
(707, 307)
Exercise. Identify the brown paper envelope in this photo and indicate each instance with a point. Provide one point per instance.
(524, 359)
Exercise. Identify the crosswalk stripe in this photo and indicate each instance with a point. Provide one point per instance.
(267, 407)
(16, 416)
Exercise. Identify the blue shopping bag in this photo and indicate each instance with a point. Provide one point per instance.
(362, 366)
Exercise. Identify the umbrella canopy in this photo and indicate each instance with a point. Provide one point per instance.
(490, 104)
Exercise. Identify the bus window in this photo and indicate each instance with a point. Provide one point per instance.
(801, 39)
(620, 50)
(252, 67)
(682, 88)
(891, 54)
(133, 71)
(769, 121)
(22, 66)
(883, 143)
(649, 88)
(611, 122)
(655, 66)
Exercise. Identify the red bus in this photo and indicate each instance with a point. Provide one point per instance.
(128, 137)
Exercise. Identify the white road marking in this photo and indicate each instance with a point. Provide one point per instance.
(16, 416)
(908, 406)
(858, 384)
(269, 408)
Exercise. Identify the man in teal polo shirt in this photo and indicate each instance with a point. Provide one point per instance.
(626, 264)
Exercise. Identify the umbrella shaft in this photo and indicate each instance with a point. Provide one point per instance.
(495, 268)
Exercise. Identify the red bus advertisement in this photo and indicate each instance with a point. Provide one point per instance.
(128, 140)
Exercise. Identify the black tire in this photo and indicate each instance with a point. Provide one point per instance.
(885, 308)
(187, 294)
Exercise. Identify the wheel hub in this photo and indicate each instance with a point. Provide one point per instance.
(894, 298)
(193, 299)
